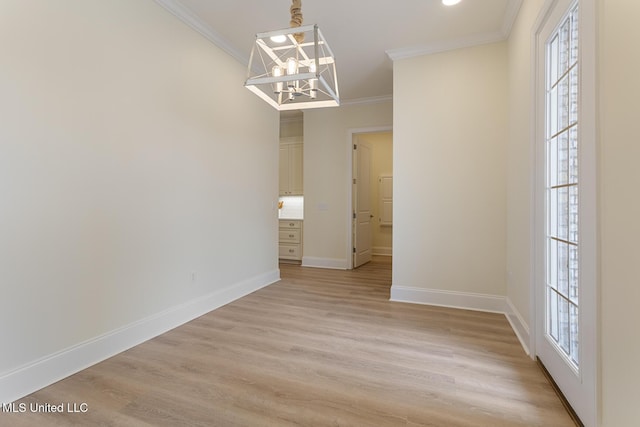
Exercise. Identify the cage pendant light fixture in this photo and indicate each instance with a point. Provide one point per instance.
(293, 68)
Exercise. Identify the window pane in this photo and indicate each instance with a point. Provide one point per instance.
(553, 61)
(573, 95)
(573, 155)
(552, 162)
(563, 159)
(573, 214)
(563, 268)
(563, 327)
(562, 201)
(553, 212)
(552, 313)
(574, 36)
(552, 264)
(565, 38)
(574, 330)
(553, 112)
(573, 274)
(563, 103)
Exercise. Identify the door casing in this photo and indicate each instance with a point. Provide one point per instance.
(351, 133)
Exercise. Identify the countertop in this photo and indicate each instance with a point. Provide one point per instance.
(288, 218)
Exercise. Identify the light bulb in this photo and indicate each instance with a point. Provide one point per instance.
(313, 83)
(292, 66)
(450, 2)
(280, 38)
(277, 72)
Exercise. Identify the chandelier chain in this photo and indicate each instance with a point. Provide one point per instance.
(296, 18)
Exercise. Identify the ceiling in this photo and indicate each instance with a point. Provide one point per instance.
(364, 35)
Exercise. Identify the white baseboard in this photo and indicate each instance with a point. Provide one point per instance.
(332, 263)
(33, 376)
(467, 301)
(380, 250)
(462, 300)
(519, 326)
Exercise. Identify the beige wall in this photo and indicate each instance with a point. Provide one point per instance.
(520, 167)
(327, 175)
(619, 203)
(449, 153)
(126, 165)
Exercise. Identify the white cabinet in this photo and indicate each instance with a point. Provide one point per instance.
(290, 239)
(291, 167)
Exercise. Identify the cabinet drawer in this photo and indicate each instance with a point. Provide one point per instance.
(289, 251)
(289, 236)
(290, 223)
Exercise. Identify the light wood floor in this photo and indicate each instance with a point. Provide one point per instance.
(319, 348)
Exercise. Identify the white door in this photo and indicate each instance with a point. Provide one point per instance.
(362, 204)
(566, 308)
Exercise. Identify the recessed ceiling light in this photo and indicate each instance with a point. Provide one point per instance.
(450, 2)
(279, 38)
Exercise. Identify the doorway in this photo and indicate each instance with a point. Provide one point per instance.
(371, 213)
(565, 216)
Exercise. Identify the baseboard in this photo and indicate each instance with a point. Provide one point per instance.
(462, 300)
(519, 326)
(33, 376)
(467, 301)
(383, 251)
(331, 263)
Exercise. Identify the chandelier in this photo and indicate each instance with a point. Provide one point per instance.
(293, 68)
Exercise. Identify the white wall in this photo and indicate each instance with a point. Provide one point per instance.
(327, 172)
(450, 134)
(619, 211)
(127, 170)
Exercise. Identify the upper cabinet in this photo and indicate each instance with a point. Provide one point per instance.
(291, 155)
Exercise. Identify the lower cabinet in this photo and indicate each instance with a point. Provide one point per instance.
(290, 239)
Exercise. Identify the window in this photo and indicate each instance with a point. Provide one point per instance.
(562, 175)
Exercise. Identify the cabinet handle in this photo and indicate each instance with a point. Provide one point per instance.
(292, 235)
(291, 251)
(291, 224)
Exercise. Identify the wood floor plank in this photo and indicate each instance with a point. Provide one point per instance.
(318, 348)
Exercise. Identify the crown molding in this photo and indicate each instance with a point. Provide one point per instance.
(445, 45)
(183, 13)
(368, 100)
(346, 103)
(510, 16)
